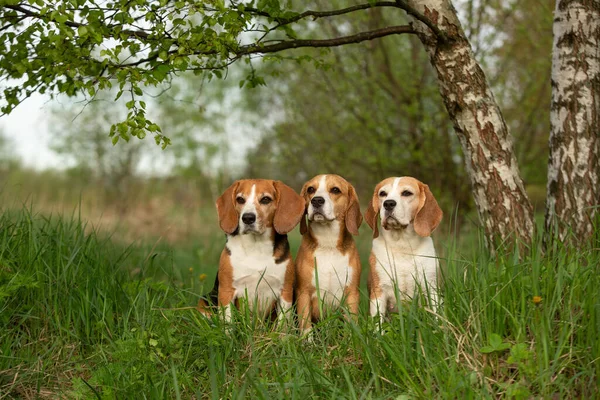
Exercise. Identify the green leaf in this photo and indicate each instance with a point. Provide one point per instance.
(487, 349)
(495, 340)
(519, 353)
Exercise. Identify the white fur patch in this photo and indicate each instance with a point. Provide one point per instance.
(332, 273)
(403, 261)
(256, 275)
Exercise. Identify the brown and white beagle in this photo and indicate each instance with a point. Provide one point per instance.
(327, 265)
(403, 256)
(256, 263)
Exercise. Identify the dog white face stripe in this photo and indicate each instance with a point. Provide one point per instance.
(250, 208)
(327, 209)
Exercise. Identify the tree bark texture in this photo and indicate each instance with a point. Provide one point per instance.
(573, 165)
(502, 203)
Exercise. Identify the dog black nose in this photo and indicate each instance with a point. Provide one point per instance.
(389, 204)
(317, 201)
(248, 218)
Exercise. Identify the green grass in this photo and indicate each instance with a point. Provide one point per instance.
(82, 317)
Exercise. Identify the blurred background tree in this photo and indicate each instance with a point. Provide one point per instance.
(80, 133)
(193, 113)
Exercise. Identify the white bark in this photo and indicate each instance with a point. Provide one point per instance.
(573, 165)
(500, 197)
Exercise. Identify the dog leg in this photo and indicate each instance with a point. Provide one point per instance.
(352, 301)
(304, 313)
(378, 307)
(226, 300)
(286, 297)
(284, 310)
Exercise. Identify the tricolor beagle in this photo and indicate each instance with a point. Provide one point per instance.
(403, 255)
(328, 265)
(256, 263)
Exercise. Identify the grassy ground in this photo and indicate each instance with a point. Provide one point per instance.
(83, 317)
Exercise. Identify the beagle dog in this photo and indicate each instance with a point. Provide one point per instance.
(403, 256)
(327, 265)
(256, 263)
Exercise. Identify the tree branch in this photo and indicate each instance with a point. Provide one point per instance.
(298, 43)
(323, 14)
(281, 21)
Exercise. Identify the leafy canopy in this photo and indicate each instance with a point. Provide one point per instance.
(80, 47)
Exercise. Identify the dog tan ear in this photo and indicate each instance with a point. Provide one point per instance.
(290, 208)
(372, 213)
(303, 223)
(228, 215)
(353, 216)
(429, 215)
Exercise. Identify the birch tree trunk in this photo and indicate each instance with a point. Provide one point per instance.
(573, 164)
(502, 203)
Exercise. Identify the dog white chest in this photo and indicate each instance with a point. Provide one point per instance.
(403, 263)
(331, 275)
(256, 275)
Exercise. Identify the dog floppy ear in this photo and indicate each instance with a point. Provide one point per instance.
(353, 216)
(228, 215)
(303, 224)
(429, 215)
(290, 208)
(372, 213)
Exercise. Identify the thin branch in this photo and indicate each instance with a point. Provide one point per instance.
(340, 41)
(321, 14)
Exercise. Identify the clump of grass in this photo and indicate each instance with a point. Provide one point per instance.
(81, 317)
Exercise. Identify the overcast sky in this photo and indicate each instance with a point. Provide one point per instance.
(27, 128)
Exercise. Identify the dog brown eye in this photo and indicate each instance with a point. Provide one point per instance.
(335, 190)
(310, 190)
(265, 200)
(406, 193)
(383, 193)
(240, 200)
